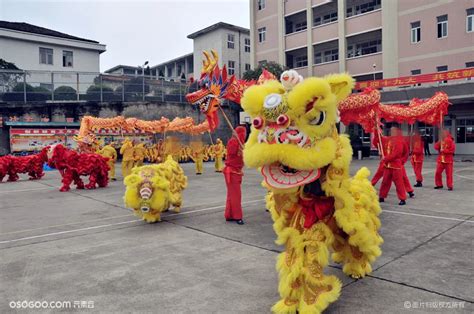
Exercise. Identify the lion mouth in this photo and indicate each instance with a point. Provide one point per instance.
(280, 176)
(203, 103)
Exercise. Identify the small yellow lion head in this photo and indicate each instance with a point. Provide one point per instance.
(294, 127)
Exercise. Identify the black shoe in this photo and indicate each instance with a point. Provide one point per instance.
(402, 203)
(450, 189)
(198, 173)
(381, 200)
(239, 222)
(438, 187)
(229, 219)
(418, 184)
(114, 179)
(411, 194)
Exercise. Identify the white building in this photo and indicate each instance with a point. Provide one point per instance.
(231, 42)
(33, 48)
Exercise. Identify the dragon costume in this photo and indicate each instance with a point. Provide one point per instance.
(152, 189)
(316, 206)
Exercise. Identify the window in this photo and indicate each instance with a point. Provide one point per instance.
(442, 68)
(364, 48)
(464, 130)
(261, 34)
(469, 65)
(231, 69)
(361, 8)
(415, 32)
(301, 26)
(230, 41)
(327, 18)
(301, 61)
(262, 62)
(247, 67)
(442, 26)
(67, 58)
(326, 56)
(469, 20)
(45, 56)
(261, 4)
(416, 72)
(247, 44)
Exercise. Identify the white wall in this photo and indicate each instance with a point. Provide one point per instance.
(217, 40)
(25, 55)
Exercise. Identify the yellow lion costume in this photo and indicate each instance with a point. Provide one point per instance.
(315, 205)
(151, 189)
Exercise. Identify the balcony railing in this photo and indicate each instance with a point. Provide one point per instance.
(46, 86)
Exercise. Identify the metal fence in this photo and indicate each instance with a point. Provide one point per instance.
(49, 86)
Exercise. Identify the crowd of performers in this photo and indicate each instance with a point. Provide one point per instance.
(396, 150)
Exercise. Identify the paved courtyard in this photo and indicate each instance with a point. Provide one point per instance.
(86, 246)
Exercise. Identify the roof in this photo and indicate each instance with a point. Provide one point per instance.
(173, 60)
(33, 29)
(217, 26)
(121, 66)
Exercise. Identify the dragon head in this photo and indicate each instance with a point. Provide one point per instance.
(212, 86)
(294, 135)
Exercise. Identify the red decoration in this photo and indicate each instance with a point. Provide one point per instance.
(32, 164)
(418, 79)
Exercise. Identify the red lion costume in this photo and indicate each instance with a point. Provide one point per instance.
(73, 165)
(32, 164)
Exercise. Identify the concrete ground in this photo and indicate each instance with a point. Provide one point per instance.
(86, 246)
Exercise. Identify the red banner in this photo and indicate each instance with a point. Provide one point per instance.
(14, 131)
(418, 79)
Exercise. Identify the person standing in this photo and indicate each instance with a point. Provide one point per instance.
(139, 154)
(198, 155)
(127, 157)
(233, 174)
(219, 154)
(446, 148)
(379, 173)
(417, 159)
(393, 168)
(426, 143)
(405, 156)
(109, 152)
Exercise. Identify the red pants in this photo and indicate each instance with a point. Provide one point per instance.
(440, 167)
(378, 174)
(233, 207)
(395, 175)
(417, 167)
(406, 182)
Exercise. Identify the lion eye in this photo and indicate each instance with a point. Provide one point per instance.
(319, 119)
(257, 123)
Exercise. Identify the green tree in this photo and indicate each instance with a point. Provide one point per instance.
(272, 67)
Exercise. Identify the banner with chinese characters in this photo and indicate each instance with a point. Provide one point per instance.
(33, 140)
(418, 79)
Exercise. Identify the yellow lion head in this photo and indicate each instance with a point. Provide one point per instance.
(294, 131)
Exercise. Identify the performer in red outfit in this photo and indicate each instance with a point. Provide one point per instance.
(406, 155)
(417, 159)
(446, 148)
(379, 173)
(393, 168)
(233, 176)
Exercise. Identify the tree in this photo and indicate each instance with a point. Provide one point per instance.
(5, 65)
(65, 93)
(272, 67)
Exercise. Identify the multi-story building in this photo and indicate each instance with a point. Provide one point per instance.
(317, 37)
(231, 42)
(374, 39)
(32, 48)
(50, 57)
